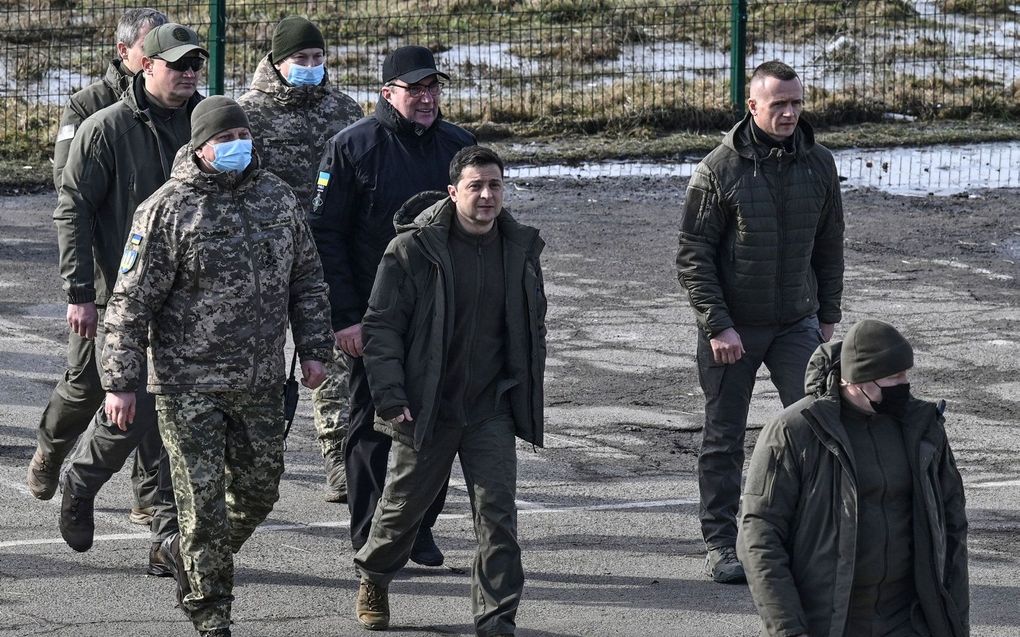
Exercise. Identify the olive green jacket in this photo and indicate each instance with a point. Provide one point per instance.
(761, 238)
(798, 527)
(89, 100)
(215, 268)
(115, 162)
(409, 325)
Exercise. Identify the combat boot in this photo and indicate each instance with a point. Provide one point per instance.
(336, 477)
(158, 567)
(43, 476)
(373, 607)
(77, 522)
(722, 565)
(215, 632)
(170, 554)
(425, 551)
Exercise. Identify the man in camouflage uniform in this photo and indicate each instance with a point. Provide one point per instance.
(294, 110)
(218, 261)
(78, 395)
(119, 157)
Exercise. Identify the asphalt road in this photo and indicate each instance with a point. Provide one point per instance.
(608, 509)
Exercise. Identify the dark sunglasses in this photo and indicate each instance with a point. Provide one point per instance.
(183, 64)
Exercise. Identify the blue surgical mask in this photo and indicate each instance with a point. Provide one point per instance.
(233, 156)
(306, 75)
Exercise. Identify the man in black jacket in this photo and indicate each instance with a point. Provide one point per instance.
(367, 172)
(455, 352)
(854, 518)
(761, 259)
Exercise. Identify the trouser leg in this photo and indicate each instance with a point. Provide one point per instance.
(332, 405)
(254, 461)
(164, 515)
(414, 479)
(788, 355)
(489, 459)
(194, 429)
(727, 391)
(72, 403)
(145, 471)
(365, 456)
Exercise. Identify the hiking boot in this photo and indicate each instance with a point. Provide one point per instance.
(77, 524)
(336, 477)
(722, 565)
(158, 567)
(43, 476)
(141, 515)
(425, 551)
(215, 632)
(170, 554)
(373, 607)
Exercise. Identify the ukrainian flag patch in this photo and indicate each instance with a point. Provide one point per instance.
(130, 258)
(323, 180)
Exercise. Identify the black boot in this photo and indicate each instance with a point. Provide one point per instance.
(157, 565)
(170, 554)
(77, 524)
(425, 551)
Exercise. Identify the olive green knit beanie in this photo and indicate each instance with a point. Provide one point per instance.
(872, 350)
(294, 33)
(212, 116)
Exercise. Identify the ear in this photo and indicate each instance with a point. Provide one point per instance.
(453, 192)
(752, 105)
(386, 92)
(122, 50)
(147, 64)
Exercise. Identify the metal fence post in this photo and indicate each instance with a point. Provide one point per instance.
(738, 52)
(217, 45)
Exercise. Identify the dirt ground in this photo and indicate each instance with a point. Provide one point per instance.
(623, 412)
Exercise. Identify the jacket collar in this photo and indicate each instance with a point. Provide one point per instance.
(117, 78)
(741, 139)
(391, 119)
(267, 79)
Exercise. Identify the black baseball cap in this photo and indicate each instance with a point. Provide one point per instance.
(410, 64)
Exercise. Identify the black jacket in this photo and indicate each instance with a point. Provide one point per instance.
(409, 325)
(798, 526)
(761, 240)
(367, 172)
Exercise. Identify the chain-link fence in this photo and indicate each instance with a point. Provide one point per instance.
(579, 65)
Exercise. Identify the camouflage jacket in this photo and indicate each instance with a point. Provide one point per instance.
(291, 124)
(213, 269)
(115, 162)
(92, 98)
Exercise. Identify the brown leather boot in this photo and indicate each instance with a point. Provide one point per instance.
(373, 607)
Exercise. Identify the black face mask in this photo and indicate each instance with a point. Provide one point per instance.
(894, 400)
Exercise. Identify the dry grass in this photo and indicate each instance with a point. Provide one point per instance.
(984, 7)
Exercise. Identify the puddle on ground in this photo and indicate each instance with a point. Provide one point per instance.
(933, 170)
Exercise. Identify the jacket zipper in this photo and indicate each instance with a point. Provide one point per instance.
(781, 236)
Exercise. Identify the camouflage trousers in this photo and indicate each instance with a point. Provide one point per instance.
(332, 406)
(226, 459)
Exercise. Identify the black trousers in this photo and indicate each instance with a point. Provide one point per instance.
(366, 455)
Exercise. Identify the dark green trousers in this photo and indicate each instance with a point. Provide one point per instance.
(488, 457)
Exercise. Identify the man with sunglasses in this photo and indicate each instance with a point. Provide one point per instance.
(367, 172)
(78, 394)
(120, 156)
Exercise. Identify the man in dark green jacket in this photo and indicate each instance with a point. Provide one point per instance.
(854, 518)
(761, 260)
(455, 355)
(119, 157)
(78, 395)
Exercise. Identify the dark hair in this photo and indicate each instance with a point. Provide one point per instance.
(774, 68)
(472, 156)
(132, 22)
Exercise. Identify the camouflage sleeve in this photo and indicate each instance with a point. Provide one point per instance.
(386, 323)
(84, 184)
(701, 229)
(309, 301)
(145, 277)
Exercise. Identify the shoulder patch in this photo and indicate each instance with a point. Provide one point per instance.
(66, 132)
(130, 257)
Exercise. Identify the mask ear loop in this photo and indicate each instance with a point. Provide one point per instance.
(866, 393)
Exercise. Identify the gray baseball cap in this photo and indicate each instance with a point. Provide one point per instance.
(171, 42)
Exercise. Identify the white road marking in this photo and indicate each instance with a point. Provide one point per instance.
(990, 485)
(343, 524)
